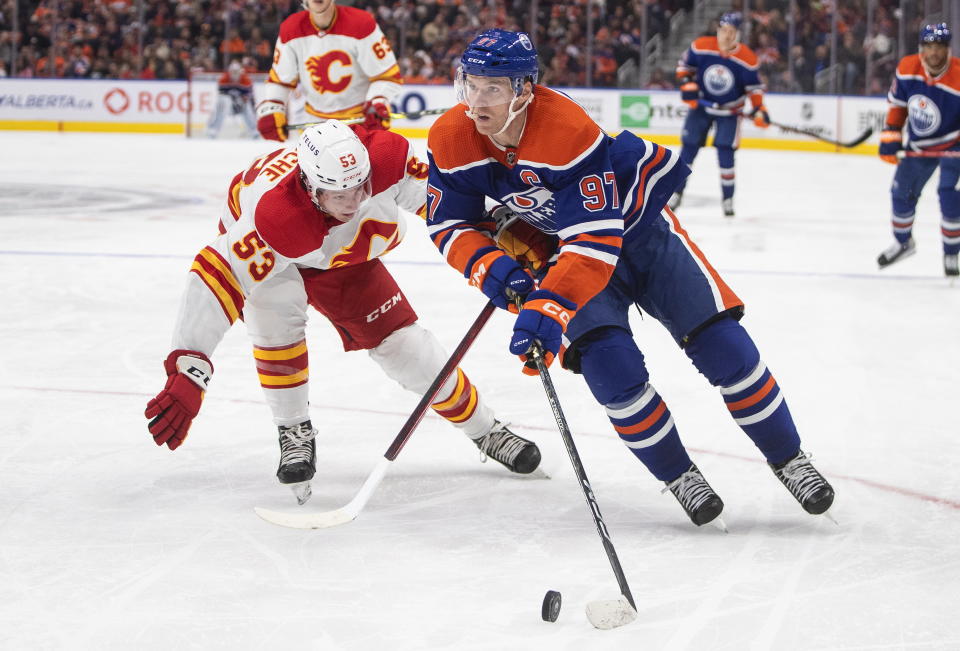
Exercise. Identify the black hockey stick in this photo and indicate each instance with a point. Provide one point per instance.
(608, 613)
(813, 134)
(409, 115)
(349, 512)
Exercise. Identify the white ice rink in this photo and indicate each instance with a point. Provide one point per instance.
(108, 542)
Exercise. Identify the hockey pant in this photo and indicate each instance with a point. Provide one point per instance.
(726, 139)
(276, 318)
(911, 176)
(226, 105)
(724, 353)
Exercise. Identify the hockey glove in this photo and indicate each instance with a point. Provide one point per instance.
(690, 93)
(272, 120)
(174, 408)
(544, 318)
(761, 117)
(499, 277)
(528, 245)
(891, 142)
(376, 113)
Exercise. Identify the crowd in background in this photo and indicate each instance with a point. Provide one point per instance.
(165, 39)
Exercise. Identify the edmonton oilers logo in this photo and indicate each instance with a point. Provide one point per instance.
(718, 79)
(924, 115)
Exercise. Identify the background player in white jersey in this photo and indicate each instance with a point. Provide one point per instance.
(234, 97)
(306, 225)
(339, 59)
(602, 200)
(924, 103)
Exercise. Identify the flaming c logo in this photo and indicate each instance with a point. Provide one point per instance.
(322, 76)
(365, 245)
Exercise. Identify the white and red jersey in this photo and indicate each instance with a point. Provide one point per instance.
(270, 223)
(337, 69)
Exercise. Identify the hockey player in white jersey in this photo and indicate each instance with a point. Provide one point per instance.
(339, 59)
(306, 225)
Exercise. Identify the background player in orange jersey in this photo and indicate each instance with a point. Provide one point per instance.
(925, 98)
(602, 201)
(306, 225)
(341, 62)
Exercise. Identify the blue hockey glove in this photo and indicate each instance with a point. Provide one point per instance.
(543, 319)
(500, 277)
(891, 142)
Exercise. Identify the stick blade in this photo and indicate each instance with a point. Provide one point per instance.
(307, 520)
(610, 613)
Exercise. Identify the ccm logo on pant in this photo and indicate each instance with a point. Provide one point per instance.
(383, 309)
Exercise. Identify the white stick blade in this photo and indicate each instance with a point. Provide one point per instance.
(610, 613)
(307, 520)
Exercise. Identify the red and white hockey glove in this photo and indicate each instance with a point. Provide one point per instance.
(174, 408)
(499, 277)
(376, 114)
(272, 120)
(543, 319)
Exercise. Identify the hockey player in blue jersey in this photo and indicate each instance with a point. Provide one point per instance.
(562, 183)
(717, 74)
(924, 97)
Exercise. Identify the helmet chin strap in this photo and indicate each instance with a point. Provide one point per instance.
(511, 114)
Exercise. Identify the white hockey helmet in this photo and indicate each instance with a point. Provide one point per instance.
(332, 159)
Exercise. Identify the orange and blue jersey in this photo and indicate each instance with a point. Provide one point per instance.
(930, 106)
(590, 190)
(725, 79)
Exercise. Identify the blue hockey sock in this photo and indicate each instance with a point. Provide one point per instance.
(726, 355)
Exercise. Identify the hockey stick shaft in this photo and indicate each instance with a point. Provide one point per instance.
(409, 115)
(537, 354)
(813, 134)
(351, 510)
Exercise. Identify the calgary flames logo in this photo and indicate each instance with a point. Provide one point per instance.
(323, 76)
(374, 238)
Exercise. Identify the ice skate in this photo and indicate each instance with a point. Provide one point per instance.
(516, 453)
(805, 483)
(950, 268)
(674, 201)
(298, 459)
(896, 252)
(697, 498)
(728, 207)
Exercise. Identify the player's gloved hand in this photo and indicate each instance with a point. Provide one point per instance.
(690, 93)
(761, 117)
(526, 244)
(376, 114)
(174, 408)
(891, 142)
(543, 319)
(499, 276)
(272, 120)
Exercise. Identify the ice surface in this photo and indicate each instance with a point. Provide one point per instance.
(107, 542)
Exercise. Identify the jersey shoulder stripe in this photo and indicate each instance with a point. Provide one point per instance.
(297, 25)
(542, 146)
(705, 45)
(743, 54)
(353, 22)
(910, 66)
(454, 143)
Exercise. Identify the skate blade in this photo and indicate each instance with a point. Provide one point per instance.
(829, 516)
(719, 524)
(538, 473)
(301, 491)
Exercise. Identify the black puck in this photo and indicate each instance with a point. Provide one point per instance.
(551, 606)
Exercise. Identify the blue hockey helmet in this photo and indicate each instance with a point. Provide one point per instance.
(734, 18)
(501, 53)
(938, 33)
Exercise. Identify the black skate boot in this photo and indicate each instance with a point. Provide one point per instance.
(696, 497)
(298, 458)
(728, 207)
(950, 266)
(516, 453)
(803, 481)
(896, 252)
(675, 200)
